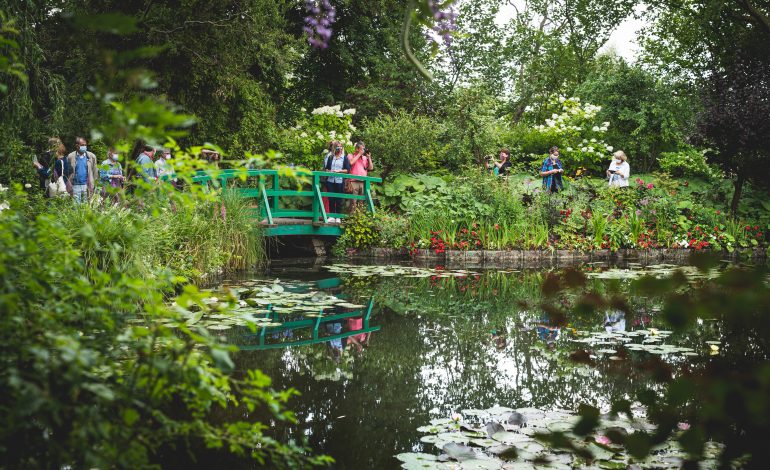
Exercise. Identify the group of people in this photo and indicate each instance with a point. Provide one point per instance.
(552, 169)
(78, 175)
(336, 161)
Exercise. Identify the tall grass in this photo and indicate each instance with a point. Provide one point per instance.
(192, 237)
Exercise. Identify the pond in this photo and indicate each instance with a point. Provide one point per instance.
(377, 352)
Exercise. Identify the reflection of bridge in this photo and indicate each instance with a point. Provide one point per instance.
(314, 323)
(303, 210)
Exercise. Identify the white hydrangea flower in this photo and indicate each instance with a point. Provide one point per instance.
(569, 149)
(332, 134)
(606, 124)
(583, 149)
(303, 135)
(4, 205)
(349, 111)
(610, 148)
(304, 110)
(595, 129)
(593, 141)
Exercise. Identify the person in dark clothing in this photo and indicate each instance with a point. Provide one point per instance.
(552, 171)
(339, 163)
(45, 163)
(504, 165)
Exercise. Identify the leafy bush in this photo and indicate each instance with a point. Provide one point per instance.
(99, 371)
(403, 142)
(359, 232)
(305, 143)
(576, 131)
(689, 162)
(393, 229)
(404, 186)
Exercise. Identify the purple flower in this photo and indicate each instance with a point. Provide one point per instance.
(444, 21)
(318, 23)
(638, 212)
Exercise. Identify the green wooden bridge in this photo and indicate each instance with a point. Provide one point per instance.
(288, 205)
(313, 326)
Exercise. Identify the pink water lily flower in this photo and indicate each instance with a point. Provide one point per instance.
(604, 440)
(683, 426)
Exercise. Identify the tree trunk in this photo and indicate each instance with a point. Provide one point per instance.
(737, 194)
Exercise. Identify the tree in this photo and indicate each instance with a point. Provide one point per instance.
(647, 114)
(736, 102)
(719, 49)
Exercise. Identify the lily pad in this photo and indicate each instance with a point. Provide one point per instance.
(459, 452)
(508, 437)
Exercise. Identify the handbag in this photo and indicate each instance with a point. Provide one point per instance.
(57, 187)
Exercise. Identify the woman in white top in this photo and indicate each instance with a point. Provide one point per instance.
(619, 170)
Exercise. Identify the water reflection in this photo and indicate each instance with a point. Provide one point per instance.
(443, 344)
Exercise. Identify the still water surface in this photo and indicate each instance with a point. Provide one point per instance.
(438, 342)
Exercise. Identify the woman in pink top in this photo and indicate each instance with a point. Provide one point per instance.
(360, 164)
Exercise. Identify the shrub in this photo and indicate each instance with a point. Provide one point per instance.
(577, 133)
(305, 143)
(98, 370)
(689, 162)
(360, 232)
(403, 142)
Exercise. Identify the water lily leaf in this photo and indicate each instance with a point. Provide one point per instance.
(493, 428)
(484, 442)
(508, 437)
(219, 327)
(482, 464)
(412, 457)
(459, 452)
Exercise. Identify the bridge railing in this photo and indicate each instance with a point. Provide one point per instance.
(269, 191)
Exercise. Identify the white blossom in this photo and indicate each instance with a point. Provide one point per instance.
(349, 111)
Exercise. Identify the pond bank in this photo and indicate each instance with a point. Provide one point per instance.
(540, 257)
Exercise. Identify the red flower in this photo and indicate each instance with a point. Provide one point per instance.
(756, 227)
(650, 186)
(497, 226)
(748, 227)
(718, 212)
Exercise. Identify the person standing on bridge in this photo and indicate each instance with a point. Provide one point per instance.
(360, 165)
(339, 163)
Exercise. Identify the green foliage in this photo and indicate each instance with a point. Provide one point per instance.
(99, 369)
(403, 142)
(578, 133)
(647, 113)
(306, 143)
(405, 186)
(471, 127)
(689, 163)
(360, 231)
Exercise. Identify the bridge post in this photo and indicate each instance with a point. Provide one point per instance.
(315, 199)
(276, 187)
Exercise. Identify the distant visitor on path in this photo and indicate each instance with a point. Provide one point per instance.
(162, 165)
(81, 165)
(146, 166)
(502, 167)
(111, 173)
(339, 163)
(619, 170)
(44, 163)
(552, 171)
